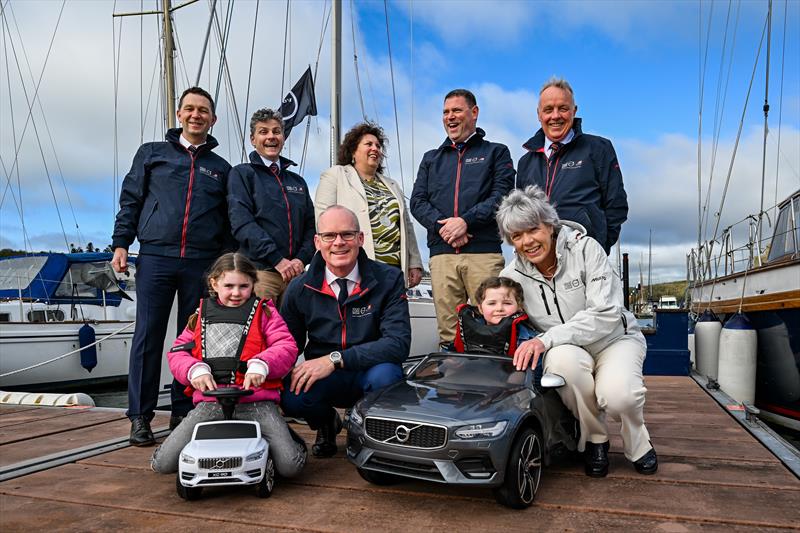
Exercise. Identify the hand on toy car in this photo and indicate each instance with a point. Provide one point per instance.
(528, 352)
(204, 382)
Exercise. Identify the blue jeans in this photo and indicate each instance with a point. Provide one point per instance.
(343, 388)
(157, 280)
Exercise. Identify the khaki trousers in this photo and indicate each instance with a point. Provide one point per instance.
(454, 279)
(270, 285)
(610, 383)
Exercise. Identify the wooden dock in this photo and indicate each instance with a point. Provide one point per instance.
(713, 476)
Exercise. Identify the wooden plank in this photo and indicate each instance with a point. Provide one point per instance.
(53, 422)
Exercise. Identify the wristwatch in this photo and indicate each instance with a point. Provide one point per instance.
(336, 359)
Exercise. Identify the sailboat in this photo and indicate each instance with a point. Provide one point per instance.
(752, 270)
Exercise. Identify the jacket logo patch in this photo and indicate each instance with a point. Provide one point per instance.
(572, 285)
(295, 189)
(362, 311)
(473, 160)
(599, 278)
(210, 173)
(572, 165)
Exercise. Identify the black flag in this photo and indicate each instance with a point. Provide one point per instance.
(298, 103)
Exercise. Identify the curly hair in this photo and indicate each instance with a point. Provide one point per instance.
(344, 156)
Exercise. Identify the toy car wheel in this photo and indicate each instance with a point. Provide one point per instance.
(267, 483)
(523, 471)
(187, 493)
(378, 478)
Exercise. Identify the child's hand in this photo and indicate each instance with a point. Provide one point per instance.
(252, 381)
(204, 382)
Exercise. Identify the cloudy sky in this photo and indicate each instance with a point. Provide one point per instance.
(638, 68)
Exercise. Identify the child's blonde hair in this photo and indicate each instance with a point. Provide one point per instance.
(497, 282)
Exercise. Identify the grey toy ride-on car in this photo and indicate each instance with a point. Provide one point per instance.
(226, 452)
(463, 419)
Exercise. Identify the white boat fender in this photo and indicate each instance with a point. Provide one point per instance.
(690, 343)
(87, 338)
(738, 345)
(706, 344)
(77, 399)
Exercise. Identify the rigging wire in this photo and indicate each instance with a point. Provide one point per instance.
(141, 86)
(413, 83)
(283, 66)
(738, 135)
(766, 126)
(212, 12)
(179, 50)
(702, 67)
(250, 75)
(394, 98)
(780, 106)
(30, 103)
(355, 60)
(222, 42)
(326, 17)
(115, 70)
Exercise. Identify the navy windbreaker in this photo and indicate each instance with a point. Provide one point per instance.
(372, 328)
(272, 216)
(173, 201)
(467, 184)
(584, 182)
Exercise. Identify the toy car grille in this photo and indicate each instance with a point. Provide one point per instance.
(405, 433)
(220, 463)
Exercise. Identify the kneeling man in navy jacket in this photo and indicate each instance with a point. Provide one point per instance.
(349, 317)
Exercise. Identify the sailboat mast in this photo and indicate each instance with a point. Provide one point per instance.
(336, 77)
(169, 67)
(766, 127)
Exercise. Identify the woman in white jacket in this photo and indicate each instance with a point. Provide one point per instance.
(358, 183)
(574, 297)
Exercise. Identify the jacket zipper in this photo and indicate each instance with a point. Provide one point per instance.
(458, 184)
(288, 208)
(544, 299)
(342, 315)
(550, 181)
(188, 203)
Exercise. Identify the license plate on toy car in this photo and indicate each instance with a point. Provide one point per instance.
(219, 474)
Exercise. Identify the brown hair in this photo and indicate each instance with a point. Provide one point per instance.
(344, 156)
(496, 282)
(231, 262)
(199, 91)
(469, 96)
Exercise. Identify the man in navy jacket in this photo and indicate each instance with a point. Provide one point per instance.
(458, 188)
(270, 210)
(579, 172)
(173, 202)
(349, 317)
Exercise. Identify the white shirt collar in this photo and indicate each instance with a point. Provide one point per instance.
(268, 162)
(565, 140)
(186, 144)
(352, 279)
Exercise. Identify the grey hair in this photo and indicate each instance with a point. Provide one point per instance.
(559, 83)
(336, 207)
(526, 209)
(264, 115)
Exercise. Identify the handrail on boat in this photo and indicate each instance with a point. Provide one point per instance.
(110, 335)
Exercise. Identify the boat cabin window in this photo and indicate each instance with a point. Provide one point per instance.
(787, 231)
(5, 317)
(73, 284)
(46, 315)
(18, 272)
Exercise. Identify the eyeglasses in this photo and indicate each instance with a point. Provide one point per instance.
(330, 236)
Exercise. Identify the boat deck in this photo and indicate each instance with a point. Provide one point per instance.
(712, 476)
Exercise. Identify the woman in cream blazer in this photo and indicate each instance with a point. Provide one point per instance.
(360, 157)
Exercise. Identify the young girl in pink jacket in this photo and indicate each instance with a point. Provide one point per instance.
(237, 340)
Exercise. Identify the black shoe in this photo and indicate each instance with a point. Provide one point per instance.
(596, 459)
(647, 464)
(175, 421)
(141, 434)
(325, 445)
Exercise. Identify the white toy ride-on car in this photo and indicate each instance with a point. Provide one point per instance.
(224, 453)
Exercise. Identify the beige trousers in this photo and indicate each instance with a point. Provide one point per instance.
(270, 285)
(609, 384)
(454, 279)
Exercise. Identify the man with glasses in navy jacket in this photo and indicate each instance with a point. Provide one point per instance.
(349, 317)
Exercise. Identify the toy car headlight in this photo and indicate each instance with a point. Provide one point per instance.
(482, 431)
(356, 418)
(255, 456)
(188, 459)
